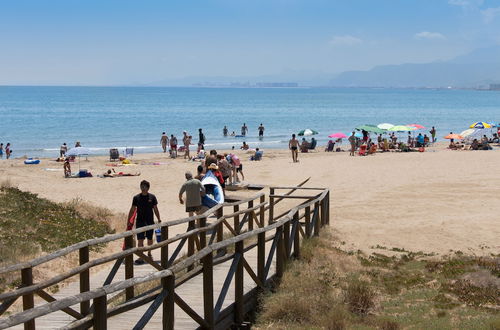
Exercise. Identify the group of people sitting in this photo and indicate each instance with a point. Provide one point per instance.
(483, 144)
(305, 146)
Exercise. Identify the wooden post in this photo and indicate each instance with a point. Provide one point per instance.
(271, 206)
(328, 208)
(203, 235)
(84, 279)
(236, 221)
(164, 249)
(129, 267)
(191, 226)
(308, 221)
(208, 290)
(28, 300)
(250, 219)
(100, 313)
(168, 284)
(261, 244)
(286, 238)
(317, 211)
(220, 228)
(280, 253)
(239, 312)
(296, 238)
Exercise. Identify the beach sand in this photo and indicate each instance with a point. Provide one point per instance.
(435, 201)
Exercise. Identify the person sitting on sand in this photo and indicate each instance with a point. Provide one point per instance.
(474, 145)
(257, 155)
(244, 146)
(304, 146)
(67, 168)
(494, 139)
(426, 140)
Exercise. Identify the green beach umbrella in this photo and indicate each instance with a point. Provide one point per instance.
(401, 128)
(371, 129)
(307, 132)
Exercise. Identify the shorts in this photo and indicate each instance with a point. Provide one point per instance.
(294, 148)
(173, 146)
(144, 234)
(240, 168)
(261, 133)
(193, 208)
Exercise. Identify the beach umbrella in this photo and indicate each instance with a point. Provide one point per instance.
(371, 129)
(385, 126)
(337, 136)
(468, 132)
(454, 136)
(78, 151)
(480, 124)
(417, 126)
(493, 124)
(401, 128)
(307, 132)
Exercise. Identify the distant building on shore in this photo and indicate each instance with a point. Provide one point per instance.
(494, 87)
(277, 84)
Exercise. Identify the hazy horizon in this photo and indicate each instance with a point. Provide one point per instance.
(121, 43)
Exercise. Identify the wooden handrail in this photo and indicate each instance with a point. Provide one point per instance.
(109, 238)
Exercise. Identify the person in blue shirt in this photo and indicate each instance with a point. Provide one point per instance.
(420, 140)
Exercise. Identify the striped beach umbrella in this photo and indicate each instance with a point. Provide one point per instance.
(480, 124)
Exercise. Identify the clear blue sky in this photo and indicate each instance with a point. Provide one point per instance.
(109, 42)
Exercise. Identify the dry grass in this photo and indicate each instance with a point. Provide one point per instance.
(32, 226)
(332, 289)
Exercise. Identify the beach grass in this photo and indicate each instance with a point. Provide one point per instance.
(32, 226)
(333, 289)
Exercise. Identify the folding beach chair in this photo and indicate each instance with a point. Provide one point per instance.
(113, 154)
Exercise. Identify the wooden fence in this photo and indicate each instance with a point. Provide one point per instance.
(250, 223)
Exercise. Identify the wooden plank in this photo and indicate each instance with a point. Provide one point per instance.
(6, 304)
(168, 316)
(68, 310)
(177, 251)
(149, 260)
(113, 272)
(292, 197)
(143, 321)
(296, 236)
(225, 286)
(189, 311)
(250, 272)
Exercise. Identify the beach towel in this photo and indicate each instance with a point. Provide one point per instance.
(130, 224)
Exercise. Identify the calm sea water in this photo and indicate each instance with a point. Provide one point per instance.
(37, 120)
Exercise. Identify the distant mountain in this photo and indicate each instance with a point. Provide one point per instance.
(474, 70)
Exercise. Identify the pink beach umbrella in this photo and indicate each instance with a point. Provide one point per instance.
(417, 126)
(337, 136)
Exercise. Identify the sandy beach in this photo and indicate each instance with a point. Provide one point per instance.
(435, 201)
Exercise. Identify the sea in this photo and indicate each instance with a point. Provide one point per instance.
(37, 120)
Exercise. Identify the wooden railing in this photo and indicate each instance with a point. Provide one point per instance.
(206, 248)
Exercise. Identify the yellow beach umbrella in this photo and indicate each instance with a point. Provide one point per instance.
(480, 124)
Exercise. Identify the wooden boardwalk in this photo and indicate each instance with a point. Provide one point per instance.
(191, 291)
(207, 276)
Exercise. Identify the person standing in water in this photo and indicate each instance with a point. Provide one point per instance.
(261, 130)
(293, 145)
(244, 129)
(164, 141)
(8, 152)
(224, 131)
(201, 138)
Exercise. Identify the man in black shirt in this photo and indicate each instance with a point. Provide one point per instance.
(201, 140)
(145, 204)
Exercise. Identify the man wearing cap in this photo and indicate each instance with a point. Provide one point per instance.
(194, 190)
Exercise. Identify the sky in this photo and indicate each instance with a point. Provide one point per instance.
(121, 42)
